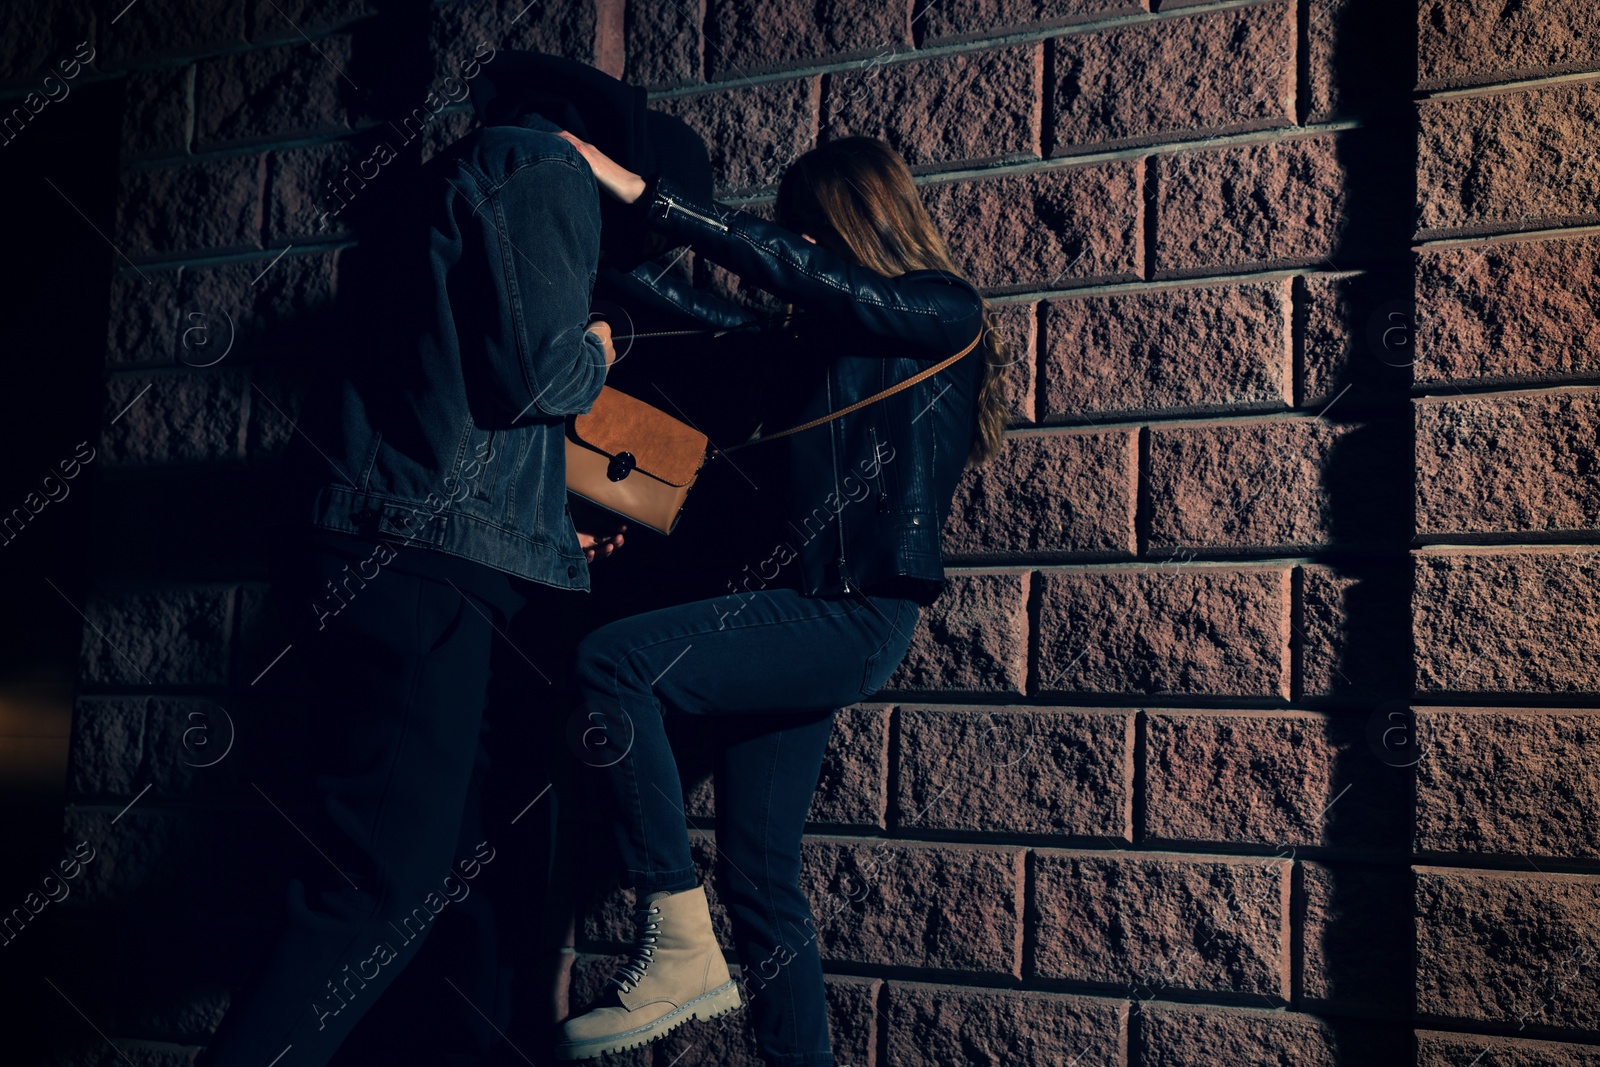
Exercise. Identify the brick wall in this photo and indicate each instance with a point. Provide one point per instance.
(1256, 725)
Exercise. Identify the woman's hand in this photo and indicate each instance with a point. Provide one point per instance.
(613, 177)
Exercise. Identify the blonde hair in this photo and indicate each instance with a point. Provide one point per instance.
(856, 198)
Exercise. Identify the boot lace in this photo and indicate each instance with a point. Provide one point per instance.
(646, 928)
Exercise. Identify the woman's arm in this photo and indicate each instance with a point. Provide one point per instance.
(651, 284)
(934, 309)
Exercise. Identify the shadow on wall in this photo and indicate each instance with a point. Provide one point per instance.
(58, 180)
(1356, 959)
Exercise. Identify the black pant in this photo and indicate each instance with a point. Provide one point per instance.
(398, 679)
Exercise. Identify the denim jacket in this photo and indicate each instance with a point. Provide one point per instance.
(449, 432)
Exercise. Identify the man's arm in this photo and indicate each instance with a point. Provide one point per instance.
(540, 231)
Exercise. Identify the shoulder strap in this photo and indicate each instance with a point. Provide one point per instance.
(859, 404)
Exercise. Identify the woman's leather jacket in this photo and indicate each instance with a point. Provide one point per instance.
(869, 492)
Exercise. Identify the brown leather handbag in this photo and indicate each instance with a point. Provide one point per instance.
(633, 459)
(639, 462)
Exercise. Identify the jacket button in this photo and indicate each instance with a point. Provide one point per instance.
(572, 571)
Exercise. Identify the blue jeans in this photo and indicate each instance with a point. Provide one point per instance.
(777, 665)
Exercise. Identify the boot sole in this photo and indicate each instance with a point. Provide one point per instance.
(719, 1001)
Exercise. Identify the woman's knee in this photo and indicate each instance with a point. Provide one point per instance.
(602, 659)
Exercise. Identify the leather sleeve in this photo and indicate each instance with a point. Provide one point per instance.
(653, 284)
(933, 309)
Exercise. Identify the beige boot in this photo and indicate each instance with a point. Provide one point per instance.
(675, 973)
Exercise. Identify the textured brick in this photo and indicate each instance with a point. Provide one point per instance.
(1357, 936)
(1511, 621)
(729, 1041)
(181, 27)
(448, 128)
(213, 205)
(1163, 921)
(1360, 59)
(664, 44)
(185, 417)
(974, 638)
(108, 742)
(1436, 1049)
(1508, 781)
(1061, 493)
(1353, 642)
(946, 1024)
(960, 19)
(1165, 630)
(1250, 206)
(128, 1052)
(1022, 770)
(146, 323)
(35, 38)
(1463, 44)
(1179, 1036)
(1273, 777)
(748, 36)
(753, 132)
(316, 192)
(252, 304)
(1177, 351)
(1509, 311)
(277, 401)
(1508, 947)
(125, 743)
(157, 112)
(1508, 161)
(1508, 463)
(1047, 230)
(972, 107)
(1220, 72)
(853, 788)
(949, 907)
(575, 29)
(171, 636)
(1282, 484)
(1017, 326)
(271, 92)
(1357, 338)
(285, 20)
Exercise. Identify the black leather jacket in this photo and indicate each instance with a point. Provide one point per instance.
(868, 493)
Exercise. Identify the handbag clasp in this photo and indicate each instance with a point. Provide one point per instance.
(621, 466)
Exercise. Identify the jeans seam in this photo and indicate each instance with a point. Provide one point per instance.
(637, 811)
(854, 607)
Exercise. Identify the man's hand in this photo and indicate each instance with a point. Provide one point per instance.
(602, 330)
(594, 545)
(613, 177)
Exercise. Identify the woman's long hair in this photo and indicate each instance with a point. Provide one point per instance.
(856, 198)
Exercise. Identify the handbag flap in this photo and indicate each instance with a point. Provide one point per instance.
(662, 447)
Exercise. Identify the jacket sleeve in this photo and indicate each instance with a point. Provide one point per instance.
(653, 284)
(933, 309)
(541, 238)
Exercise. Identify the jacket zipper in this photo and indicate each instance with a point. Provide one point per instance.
(844, 567)
(877, 462)
(673, 204)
